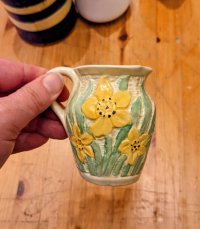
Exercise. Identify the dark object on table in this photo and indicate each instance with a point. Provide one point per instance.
(42, 22)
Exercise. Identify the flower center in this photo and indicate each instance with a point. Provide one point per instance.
(79, 144)
(106, 108)
(135, 146)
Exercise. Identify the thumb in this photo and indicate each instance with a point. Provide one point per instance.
(32, 99)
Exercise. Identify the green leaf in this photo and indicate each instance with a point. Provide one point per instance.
(107, 152)
(136, 111)
(136, 166)
(120, 137)
(111, 164)
(114, 155)
(91, 165)
(71, 107)
(152, 127)
(98, 158)
(125, 170)
(147, 111)
(123, 83)
(118, 165)
(79, 114)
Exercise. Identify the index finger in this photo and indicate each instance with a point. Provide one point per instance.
(14, 75)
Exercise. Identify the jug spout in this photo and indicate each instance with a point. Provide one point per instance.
(142, 70)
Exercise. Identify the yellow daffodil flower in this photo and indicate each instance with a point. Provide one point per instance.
(81, 142)
(108, 109)
(134, 145)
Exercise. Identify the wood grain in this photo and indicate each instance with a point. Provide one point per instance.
(42, 188)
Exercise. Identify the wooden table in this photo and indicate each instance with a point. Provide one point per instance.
(43, 189)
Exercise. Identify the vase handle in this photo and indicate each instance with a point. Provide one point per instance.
(71, 74)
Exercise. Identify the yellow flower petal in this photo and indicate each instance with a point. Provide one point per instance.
(143, 138)
(133, 134)
(132, 158)
(121, 118)
(86, 139)
(76, 131)
(73, 140)
(141, 151)
(89, 108)
(104, 89)
(122, 99)
(88, 151)
(125, 147)
(81, 156)
(102, 126)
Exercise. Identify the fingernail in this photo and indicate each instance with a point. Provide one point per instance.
(53, 82)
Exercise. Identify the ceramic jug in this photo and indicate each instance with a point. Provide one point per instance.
(109, 119)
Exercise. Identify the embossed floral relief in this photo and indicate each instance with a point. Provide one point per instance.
(82, 143)
(134, 145)
(107, 108)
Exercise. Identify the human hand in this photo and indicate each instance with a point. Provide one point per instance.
(26, 91)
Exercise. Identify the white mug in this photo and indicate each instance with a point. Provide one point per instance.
(101, 10)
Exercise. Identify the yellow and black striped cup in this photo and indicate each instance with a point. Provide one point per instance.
(41, 21)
